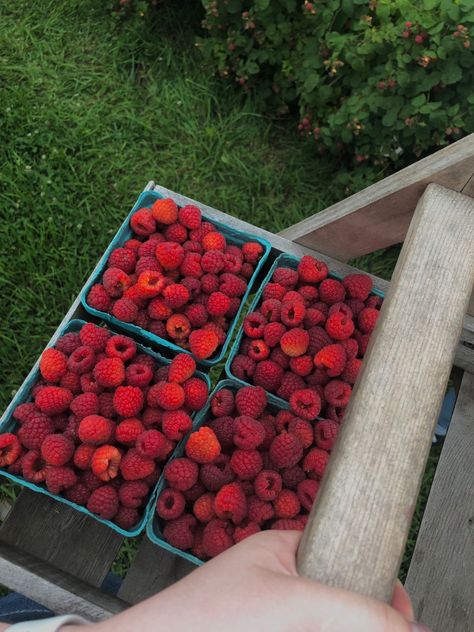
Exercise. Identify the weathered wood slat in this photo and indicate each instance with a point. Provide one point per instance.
(152, 570)
(357, 530)
(379, 215)
(61, 536)
(441, 575)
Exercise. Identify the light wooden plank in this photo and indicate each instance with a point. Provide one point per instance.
(357, 530)
(58, 591)
(152, 570)
(441, 575)
(61, 536)
(379, 215)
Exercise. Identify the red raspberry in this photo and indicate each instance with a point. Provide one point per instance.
(374, 302)
(121, 347)
(149, 264)
(176, 423)
(83, 456)
(217, 537)
(81, 360)
(222, 403)
(232, 263)
(72, 382)
(246, 463)
(251, 400)
(213, 261)
(292, 476)
(245, 530)
(95, 429)
(203, 445)
(315, 463)
(282, 420)
(33, 467)
(104, 502)
(158, 309)
(223, 428)
(138, 374)
(322, 307)
(59, 478)
(268, 485)
(295, 342)
(214, 241)
(232, 285)
(126, 518)
(272, 333)
(368, 319)
(170, 255)
(132, 244)
(24, 412)
(176, 233)
(116, 281)
(292, 313)
(243, 367)
(134, 467)
(305, 403)
(309, 293)
(191, 267)
(209, 283)
(331, 291)
(318, 338)
(125, 310)
(216, 327)
(351, 371)
(170, 504)
(150, 283)
(176, 295)
(203, 507)
(358, 286)
(339, 326)
(90, 480)
(351, 347)
(53, 365)
(181, 473)
(311, 270)
(190, 216)
(110, 372)
(303, 430)
(273, 291)
(53, 400)
(133, 494)
(218, 304)
(285, 524)
(340, 308)
(167, 395)
(337, 393)
(230, 503)
(286, 277)
(203, 343)
(98, 298)
(362, 341)
(268, 375)
(128, 431)
(336, 413)
(105, 462)
(307, 492)
(355, 305)
(124, 259)
(93, 336)
(142, 222)
(248, 432)
(271, 310)
(10, 449)
(196, 314)
(57, 449)
(252, 252)
(216, 474)
(313, 317)
(180, 532)
(78, 494)
(128, 401)
(165, 211)
(293, 296)
(286, 504)
(325, 434)
(332, 358)
(270, 433)
(68, 343)
(195, 393)
(178, 327)
(302, 365)
(286, 450)
(259, 511)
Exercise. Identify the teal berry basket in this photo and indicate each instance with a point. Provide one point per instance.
(153, 529)
(9, 424)
(146, 199)
(283, 261)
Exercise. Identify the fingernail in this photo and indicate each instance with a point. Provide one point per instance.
(419, 627)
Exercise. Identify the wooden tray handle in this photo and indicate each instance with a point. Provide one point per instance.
(357, 530)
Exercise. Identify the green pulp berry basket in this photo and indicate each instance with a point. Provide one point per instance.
(9, 424)
(146, 199)
(283, 261)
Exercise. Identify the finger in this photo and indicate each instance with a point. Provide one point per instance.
(401, 601)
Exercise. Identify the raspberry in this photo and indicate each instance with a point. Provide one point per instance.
(176, 423)
(78, 494)
(252, 252)
(59, 478)
(230, 503)
(259, 511)
(340, 308)
(302, 365)
(268, 485)
(280, 357)
(195, 393)
(254, 325)
(176, 233)
(268, 375)
(246, 463)
(128, 431)
(286, 277)
(292, 476)
(142, 222)
(285, 524)
(165, 211)
(307, 491)
(213, 261)
(132, 494)
(337, 393)
(273, 291)
(358, 286)
(53, 365)
(248, 433)
(368, 319)
(305, 403)
(232, 263)
(95, 429)
(292, 313)
(125, 310)
(178, 327)
(138, 375)
(331, 291)
(315, 462)
(90, 480)
(332, 358)
(203, 507)
(104, 502)
(313, 317)
(190, 216)
(245, 530)
(216, 474)
(351, 371)
(336, 413)
(351, 347)
(293, 296)
(355, 305)
(94, 337)
(303, 430)
(53, 400)
(10, 449)
(217, 537)
(374, 302)
(339, 326)
(215, 326)
(251, 400)
(105, 462)
(98, 298)
(191, 267)
(181, 473)
(72, 382)
(116, 281)
(196, 314)
(318, 338)
(145, 360)
(222, 403)
(295, 342)
(33, 467)
(218, 304)
(282, 420)
(286, 450)
(362, 342)
(325, 434)
(133, 466)
(81, 360)
(83, 456)
(128, 401)
(167, 395)
(180, 532)
(170, 504)
(126, 518)
(271, 310)
(270, 433)
(203, 343)
(149, 284)
(57, 449)
(232, 285)
(223, 428)
(309, 293)
(124, 259)
(214, 241)
(121, 347)
(176, 295)
(24, 412)
(243, 367)
(203, 445)
(286, 504)
(132, 244)
(311, 270)
(148, 264)
(170, 255)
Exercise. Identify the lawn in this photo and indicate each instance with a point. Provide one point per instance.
(93, 108)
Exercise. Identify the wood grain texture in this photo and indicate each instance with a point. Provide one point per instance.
(152, 570)
(61, 536)
(358, 528)
(58, 591)
(379, 215)
(441, 576)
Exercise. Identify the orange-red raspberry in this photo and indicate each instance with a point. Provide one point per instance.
(58, 479)
(268, 374)
(216, 328)
(268, 485)
(181, 368)
(337, 393)
(203, 507)
(190, 216)
(170, 504)
(218, 304)
(295, 342)
(217, 537)
(105, 462)
(368, 319)
(305, 403)
(138, 374)
(248, 433)
(126, 518)
(286, 450)
(358, 286)
(132, 494)
(121, 347)
(246, 464)
(143, 222)
(332, 358)
(339, 326)
(214, 241)
(128, 431)
(93, 336)
(303, 430)
(181, 473)
(203, 445)
(116, 281)
(176, 423)
(252, 252)
(95, 429)
(292, 313)
(251, 400)
(124, 259)
(259, 510)
(158, 310)
(150, 283)
(222, 403)
(98, 298)
(10, 449)
(57, 449)
(213, 261)
(315, 463)
(176, 295)
(302, 365)
(53, 365)
(128, 401)
(351, 370)
(170, 255)
(203, 343)
(195, 393)
(286, 504)
(53, 400)
(104, 502)
(83, 456)
(134, 466)
(307, 491)
(331, 291)
(258, 350)
(232, 285)
(167, 395)
(165, 211)
(325, 434)
(109, 372)
(311, 270)
(230, 503)
(178, 327)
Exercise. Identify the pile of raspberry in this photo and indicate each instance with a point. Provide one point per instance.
(102, 420)
(178, 278)
(247, 469)
(309, 332)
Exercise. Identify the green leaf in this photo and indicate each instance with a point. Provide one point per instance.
(430, 4)
(418, 100)
(390, 118)
(470, 99)
(262, 4)
(234, 6)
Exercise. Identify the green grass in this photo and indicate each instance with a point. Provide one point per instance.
(91, 110)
